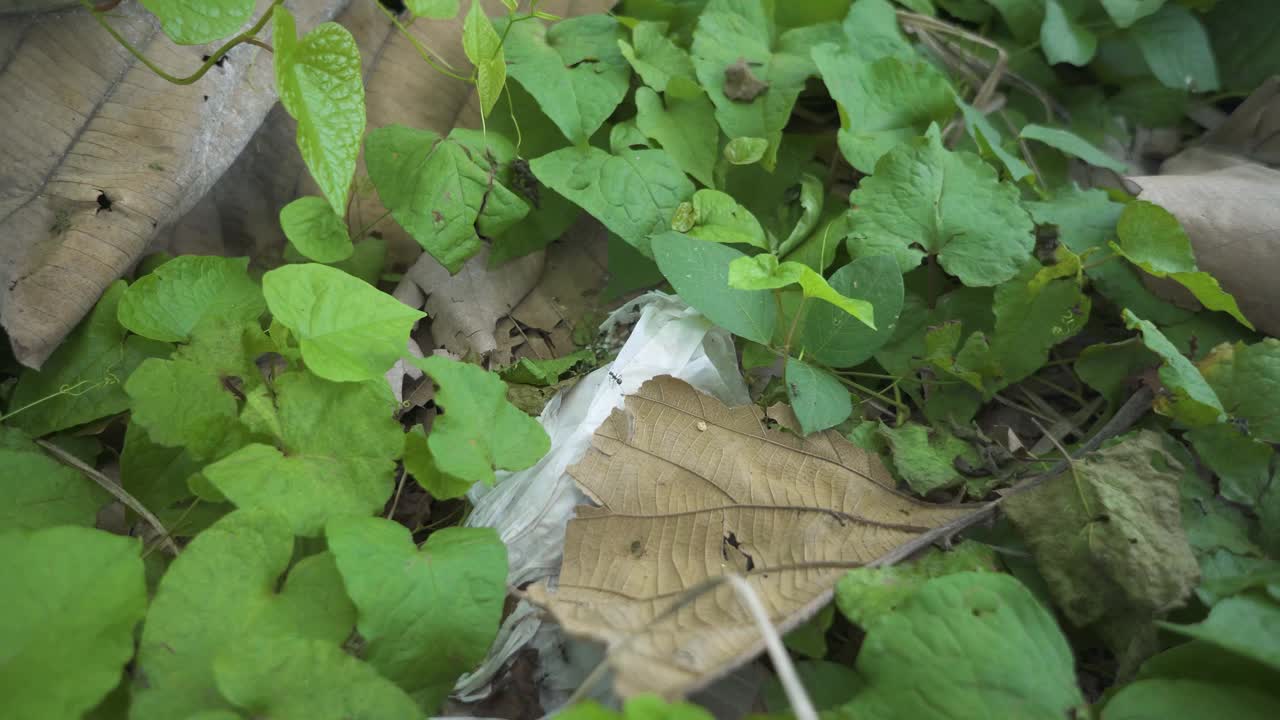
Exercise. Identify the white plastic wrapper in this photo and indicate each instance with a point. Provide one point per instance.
(530, 508)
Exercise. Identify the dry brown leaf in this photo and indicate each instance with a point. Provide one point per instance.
(691, 490)
(105, 129)
(464, 308)
(1227, 197)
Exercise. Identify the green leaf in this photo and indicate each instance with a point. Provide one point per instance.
(435, 9)
(738, 37)
(976, 644)
(1246, 379)
(1111, 368)
(626, 135)
(1127, 12)
(41, 492)
(1242, 464)
(322, 469)
(865, 595)
(715, 217)
(293, 677)
(1107, 535)
(1153, 239)
(192, 22)
(177, 298)
(1063, 39)
(684, 124)
(441, 192)
(573, 68)
(1161, 698)
(990, 141)
(829, 685)
(924, 199)
(1241, 34)
(183, 404)
(1187, 398)
(1245, 624)
(1072, 144)
(348, 330)
(871, 32)
(1023, 17)
(479, 431)
(321, 87)
(764, 272)
(637, 707)
(634, 193)
(154, 474)
(809, 638)
(654, 57)
(315, 230)
(72, 597)
(1176, 47)
(699, 272)
(745, 150)
(1086, 221)
(544, 373)
(811, 201)
(483, 48)
(834, 337)
(816, 396)
(426, 615)
(91, 364)
(223, 591)
(421, 464)
(882, 102)
(925, 457)
(1041, 307)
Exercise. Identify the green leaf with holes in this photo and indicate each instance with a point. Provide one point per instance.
(445, 192)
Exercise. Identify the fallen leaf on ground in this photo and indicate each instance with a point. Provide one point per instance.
(692, 490)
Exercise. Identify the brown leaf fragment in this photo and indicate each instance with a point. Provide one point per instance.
(691, 490)
(741, 84)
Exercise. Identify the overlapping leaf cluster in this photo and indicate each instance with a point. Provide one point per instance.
(901, 253)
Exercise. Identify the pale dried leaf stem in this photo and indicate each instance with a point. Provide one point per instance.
(801, 705)
(114, 489)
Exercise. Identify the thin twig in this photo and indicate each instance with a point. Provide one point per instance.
(114, 489)
(801, 705)
(396, 500)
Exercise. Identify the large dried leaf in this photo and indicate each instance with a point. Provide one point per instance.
(1225, 192)
(691, 490)
(104, 126)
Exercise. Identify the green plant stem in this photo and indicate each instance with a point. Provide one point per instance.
(423, 51)
(864, 389)
(1106, 259)
(72, 390)
(217, 55)
(502, 41)
(795, 322)
(371, 225)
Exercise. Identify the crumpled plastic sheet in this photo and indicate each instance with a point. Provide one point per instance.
(531, 508)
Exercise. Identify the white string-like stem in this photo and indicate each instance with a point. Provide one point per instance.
(801, 705)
